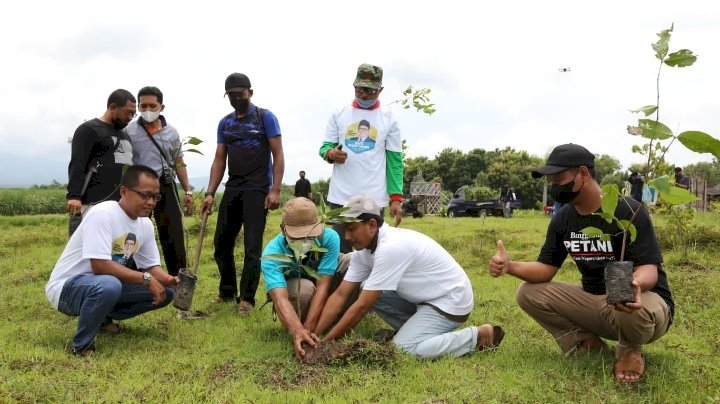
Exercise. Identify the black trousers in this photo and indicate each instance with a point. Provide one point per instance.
(169, 221)
(237, 209)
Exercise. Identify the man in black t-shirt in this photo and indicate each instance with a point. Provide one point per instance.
(303, 187)
(101, 150)
(578, 317)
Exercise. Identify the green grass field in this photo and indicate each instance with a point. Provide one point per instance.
(226, 358)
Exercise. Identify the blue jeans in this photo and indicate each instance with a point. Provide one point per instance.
(95, 298)
(422, 331)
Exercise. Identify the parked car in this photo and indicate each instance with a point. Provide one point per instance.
(459, 206)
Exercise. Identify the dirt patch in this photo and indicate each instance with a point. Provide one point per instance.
(356, 351)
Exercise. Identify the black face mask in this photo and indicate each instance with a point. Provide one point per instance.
(240, 104)
(563, 193)
(118, 124)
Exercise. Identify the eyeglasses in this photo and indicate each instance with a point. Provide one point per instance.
(366, 90)
(147, 195)
(131, 114)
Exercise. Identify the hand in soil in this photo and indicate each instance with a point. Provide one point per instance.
(301, 339)
(324, 352)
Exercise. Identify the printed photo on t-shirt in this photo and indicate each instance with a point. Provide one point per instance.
(123, 248)
(360, 137)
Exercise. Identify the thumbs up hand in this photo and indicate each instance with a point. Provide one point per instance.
(500, 262)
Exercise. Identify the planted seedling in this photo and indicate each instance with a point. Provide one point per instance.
(618, 274)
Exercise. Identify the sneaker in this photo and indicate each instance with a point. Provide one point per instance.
(88, 350)
(244, 308)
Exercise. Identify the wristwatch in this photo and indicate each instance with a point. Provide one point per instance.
(188, 193)
(146, 278)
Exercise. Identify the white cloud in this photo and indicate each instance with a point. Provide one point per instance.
(493, 69)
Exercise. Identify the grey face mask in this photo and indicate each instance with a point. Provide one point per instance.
(365, 104)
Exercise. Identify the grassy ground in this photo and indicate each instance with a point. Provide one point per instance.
(225, 358)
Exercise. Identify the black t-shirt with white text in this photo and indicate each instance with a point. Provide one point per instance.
(591, 254)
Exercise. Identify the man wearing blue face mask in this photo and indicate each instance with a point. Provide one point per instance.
(299, 300)
(362, 141)
(578, 316)
(156, 144)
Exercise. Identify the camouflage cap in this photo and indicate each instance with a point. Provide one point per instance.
(368, 76)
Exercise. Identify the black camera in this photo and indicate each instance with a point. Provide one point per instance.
(168, 176)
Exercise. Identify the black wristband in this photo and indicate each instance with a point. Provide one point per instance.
(210, 194)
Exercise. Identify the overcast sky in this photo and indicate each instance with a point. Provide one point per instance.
(493, 68)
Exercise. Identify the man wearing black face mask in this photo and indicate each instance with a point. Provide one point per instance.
(578, 317)
(248, 140)
(100, 151)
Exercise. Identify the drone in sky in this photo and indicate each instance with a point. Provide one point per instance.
(564, 69)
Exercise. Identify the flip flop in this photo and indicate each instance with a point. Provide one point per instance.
(110, 328)
(634, 362)
(498, 335)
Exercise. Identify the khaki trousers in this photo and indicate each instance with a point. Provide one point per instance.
(572, 315)
(307, 288)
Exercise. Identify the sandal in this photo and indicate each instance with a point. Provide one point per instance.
(497, 336)
(631, 368)
(110, 328)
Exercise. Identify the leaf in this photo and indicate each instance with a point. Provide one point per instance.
(662, 45)
(681, 58)
(661, 184)
(605, 237)
(336, 212)
(193, 151)
(700, 142)
(277, 257)
(677, 196)
(609, 199)
(592, 231)
(647, 110)
(633, 232)
(654, 130)
(193, 141)
(308, 270)
(624, 224)
(318, 249)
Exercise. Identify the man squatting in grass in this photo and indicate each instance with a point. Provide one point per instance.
(300, 223)
(411, 282)
(578, 316)
(89, 283)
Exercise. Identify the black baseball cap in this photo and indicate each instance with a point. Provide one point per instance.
(236, 82)
(563, 157)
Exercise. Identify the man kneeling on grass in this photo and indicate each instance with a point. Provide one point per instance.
(300, 224)
(578, 316)
(411, 282)
(90, 283)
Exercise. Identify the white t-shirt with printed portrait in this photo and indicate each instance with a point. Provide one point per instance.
(364, 169)
(107, 233)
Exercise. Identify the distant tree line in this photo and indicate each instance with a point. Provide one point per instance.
(492, 169)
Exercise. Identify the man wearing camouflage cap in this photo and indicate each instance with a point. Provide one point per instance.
(371, 162)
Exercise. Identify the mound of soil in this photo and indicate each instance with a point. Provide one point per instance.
(333, 352)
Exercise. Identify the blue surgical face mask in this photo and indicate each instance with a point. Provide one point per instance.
(365, 104)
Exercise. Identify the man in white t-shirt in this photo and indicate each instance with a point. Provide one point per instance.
(411, 282)
(91, 279)
(362, 141)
